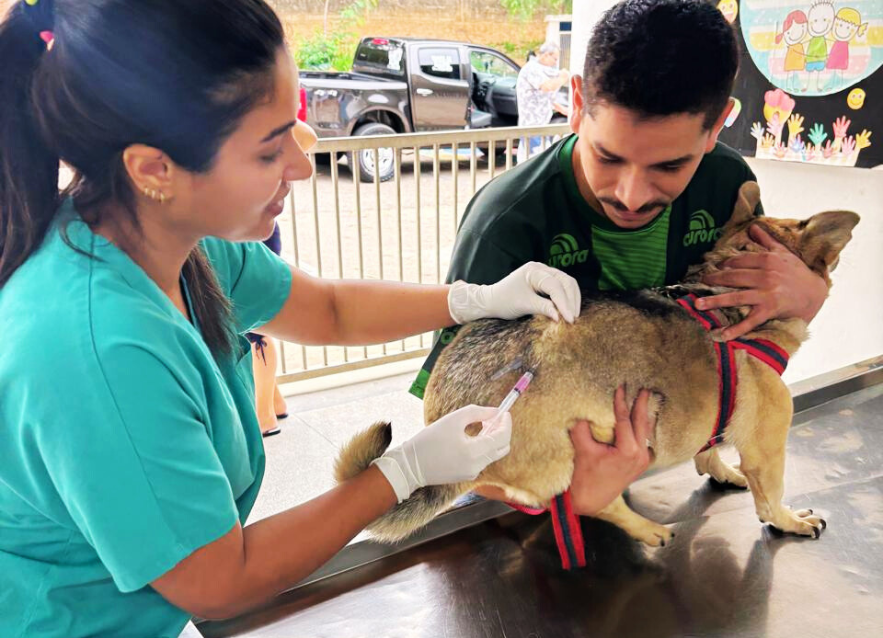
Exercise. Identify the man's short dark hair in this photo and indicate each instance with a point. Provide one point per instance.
(662, 57)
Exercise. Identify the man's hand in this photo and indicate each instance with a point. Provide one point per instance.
(602, 472)
(776, 284)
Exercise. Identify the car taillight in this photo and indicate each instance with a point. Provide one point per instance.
(302, 110)
(381, 42)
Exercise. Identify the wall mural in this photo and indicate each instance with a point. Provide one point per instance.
(815, 47)
(810, 86)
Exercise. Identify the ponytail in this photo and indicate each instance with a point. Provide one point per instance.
(210, 305)
(28, 167)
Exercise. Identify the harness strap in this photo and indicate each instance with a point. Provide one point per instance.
(565, 524)
(728, 379)
(767, 351)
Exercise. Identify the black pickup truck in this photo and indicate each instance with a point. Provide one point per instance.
(404, 85)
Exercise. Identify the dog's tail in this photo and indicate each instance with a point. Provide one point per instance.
(411, 514)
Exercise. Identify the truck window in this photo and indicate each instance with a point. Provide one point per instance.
(384, 55)
(439, 62)
(489, 64)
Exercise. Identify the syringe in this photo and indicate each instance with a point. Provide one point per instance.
(515, 392)
(510, 399)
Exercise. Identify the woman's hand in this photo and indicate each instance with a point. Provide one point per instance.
(533, 289)
(443, 453)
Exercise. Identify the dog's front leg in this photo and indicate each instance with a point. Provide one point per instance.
(763, 463)
(635, 525)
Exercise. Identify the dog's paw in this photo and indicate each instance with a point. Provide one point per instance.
(652, 534)
(730, 480)
(800, 522)
(722, 474)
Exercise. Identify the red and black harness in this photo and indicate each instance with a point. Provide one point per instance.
(568, 533)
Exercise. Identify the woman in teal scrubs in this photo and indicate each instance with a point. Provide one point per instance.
(130, 454)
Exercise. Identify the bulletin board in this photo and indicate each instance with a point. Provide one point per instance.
(810, 83)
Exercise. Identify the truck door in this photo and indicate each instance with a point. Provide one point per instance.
(439, 93)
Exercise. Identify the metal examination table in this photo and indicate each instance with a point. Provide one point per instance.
(724, 574)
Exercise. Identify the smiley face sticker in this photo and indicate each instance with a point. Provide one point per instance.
(730, 9)
(856, 99)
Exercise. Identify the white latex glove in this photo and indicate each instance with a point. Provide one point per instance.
(517, 295)
(443, 453)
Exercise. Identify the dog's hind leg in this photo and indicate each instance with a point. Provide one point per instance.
(710, 462)
(635, 525)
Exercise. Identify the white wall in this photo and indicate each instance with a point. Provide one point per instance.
(849, 328)
(585, 14)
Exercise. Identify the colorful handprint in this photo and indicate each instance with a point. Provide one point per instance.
(828, 150)
(757, 131)
(795, 126)
(862, 140)
(817, 134)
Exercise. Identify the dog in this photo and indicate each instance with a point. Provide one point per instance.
(644, 339)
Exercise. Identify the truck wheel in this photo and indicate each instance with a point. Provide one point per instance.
(386, 156)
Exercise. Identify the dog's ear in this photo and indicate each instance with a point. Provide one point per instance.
(824, 236)
(745, 209)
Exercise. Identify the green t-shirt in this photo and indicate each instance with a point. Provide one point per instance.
(817, 49)
(535, 212)
(125, 446)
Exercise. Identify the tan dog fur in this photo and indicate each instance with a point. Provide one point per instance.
(646, 341)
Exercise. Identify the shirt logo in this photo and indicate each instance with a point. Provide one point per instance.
(702, 229)
(565, 252)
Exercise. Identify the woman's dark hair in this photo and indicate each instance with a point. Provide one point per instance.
(662, 57)
(177, 75)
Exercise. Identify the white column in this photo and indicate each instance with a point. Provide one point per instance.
(585, 14)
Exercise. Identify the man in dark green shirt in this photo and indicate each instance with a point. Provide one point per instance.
(642, 188)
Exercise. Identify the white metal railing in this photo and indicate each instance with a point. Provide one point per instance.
(339, 227)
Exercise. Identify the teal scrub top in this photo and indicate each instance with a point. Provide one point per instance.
(124, 445)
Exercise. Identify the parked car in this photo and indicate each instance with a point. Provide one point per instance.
(404, 85)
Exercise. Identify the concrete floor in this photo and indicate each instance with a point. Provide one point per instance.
(299, 460)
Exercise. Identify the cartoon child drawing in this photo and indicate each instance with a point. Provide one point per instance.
(793, 32)
(821, 21)
(847, 24)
